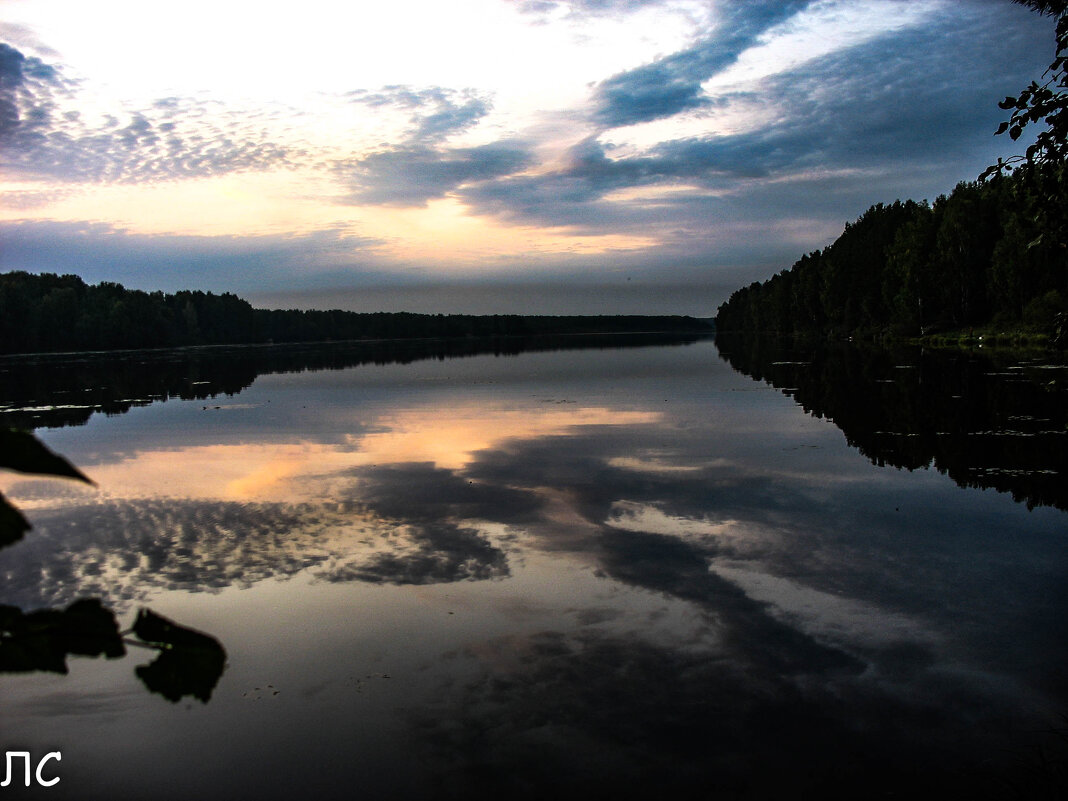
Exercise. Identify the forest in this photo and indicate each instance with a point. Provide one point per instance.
(51, 313)
(991, 254)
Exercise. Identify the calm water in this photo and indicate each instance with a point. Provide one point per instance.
(627, 572)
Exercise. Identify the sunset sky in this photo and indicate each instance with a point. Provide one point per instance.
(593, 156)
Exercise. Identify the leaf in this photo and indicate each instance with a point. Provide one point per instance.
(1014, 132)
(1001, 129)
(23, 452)
(190, 662)
(12, 524)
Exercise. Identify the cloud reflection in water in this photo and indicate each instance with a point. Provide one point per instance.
(674, 585)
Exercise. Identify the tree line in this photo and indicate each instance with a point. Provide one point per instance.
(50, 313)
(991, 253)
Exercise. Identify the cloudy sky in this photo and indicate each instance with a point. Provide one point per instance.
(582, 156)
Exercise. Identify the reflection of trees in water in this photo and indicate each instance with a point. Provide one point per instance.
(66, 390)
(982, 421)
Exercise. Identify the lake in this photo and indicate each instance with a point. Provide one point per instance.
(605, 568)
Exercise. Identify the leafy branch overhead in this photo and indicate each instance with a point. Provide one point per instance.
(23, 452)
(1046, 102)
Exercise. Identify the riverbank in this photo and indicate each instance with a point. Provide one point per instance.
(984, 338)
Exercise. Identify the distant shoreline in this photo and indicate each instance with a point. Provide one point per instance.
(991, 339)
(49, 313)
(702, 329)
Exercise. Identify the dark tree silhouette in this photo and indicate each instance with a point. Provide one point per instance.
(108, 316)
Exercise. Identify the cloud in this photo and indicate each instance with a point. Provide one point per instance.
(410, 175)
(28, 88)
(420, 168)
(122, 549)
(22, 37)
(45, 134)
(672, 85)
(101, 252)
(579, 8)
(893, 117)
(907, 113)
(437, 112)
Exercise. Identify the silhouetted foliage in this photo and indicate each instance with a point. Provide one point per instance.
(48, 313)
(1045, 161)
(24, 453)
(1046, 102)
(983, 255)
(189, 662)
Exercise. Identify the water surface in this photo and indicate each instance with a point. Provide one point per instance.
(627, 572)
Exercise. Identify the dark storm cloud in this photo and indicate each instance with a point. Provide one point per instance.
(672, 84)
(576, 194)
(583, 462)
(669, 565)
(43, 137)
(572, 195)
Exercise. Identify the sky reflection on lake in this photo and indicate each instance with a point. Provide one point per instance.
(621, 571)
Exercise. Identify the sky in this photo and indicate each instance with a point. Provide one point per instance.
(485, 156)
